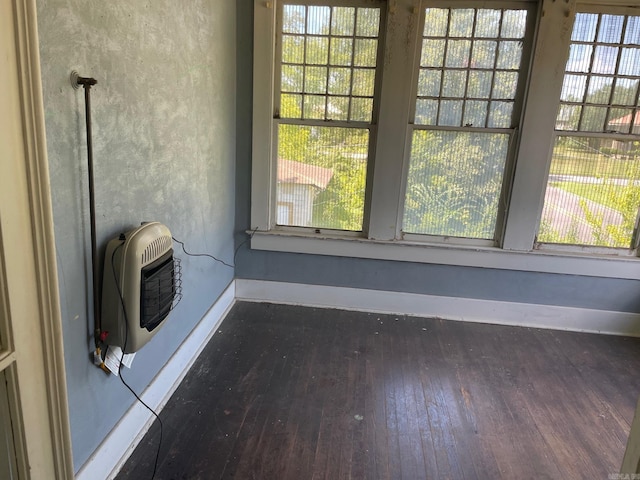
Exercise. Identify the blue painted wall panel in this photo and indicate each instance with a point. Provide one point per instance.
(164, 146)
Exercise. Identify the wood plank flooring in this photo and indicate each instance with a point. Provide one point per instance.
(285, 392)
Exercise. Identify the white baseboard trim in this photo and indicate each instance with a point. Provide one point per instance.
(450, 308)
(118, 445)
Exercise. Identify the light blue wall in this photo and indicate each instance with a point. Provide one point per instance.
(452, 281)
(164, 119)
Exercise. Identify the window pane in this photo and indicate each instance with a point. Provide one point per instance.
(478, 56)
(458, 53)
(432, 53)
(579, 58)
(488, 23)
(292, 78)
(625, 92)
(340, 81)
(608, 77)
(314, 107)
(500, 115)
(568, 117)
(620, 120)
(632, 34)
(475, 114)
(321, 60)
(584, 28)
(505, 85)
(454, 83)
(366, 51)
(593, 119)
(629, 61)
(435, 22)
(291, 106)
(509, 55)
(513, 23)
(338, 108)
(318, 20)
(343, 21)
(574, 88)
(600, 90)
(361, 109)
(484, 54)
(593, 192)
(317, 52)
(293, 49)
(321, 176)
(426, 112)
(363, 82)
(450, 113)
(315, 80)
(454, 183)
(461, 24)
(610, 29)
(341, 51)
(429, 83)
(479, 84)
(294, 19)
(368, 22)
(604, 59)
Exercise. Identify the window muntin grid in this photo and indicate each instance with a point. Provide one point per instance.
(328, 62)
(469, 67)
(600, 90)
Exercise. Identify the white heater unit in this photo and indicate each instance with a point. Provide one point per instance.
(141, 282)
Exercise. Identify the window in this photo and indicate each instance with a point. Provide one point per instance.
(469, 84)
(593, 190)
(435, 135)
(324, 113)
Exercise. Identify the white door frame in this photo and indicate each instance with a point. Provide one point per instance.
(631, 460)
(35, 356)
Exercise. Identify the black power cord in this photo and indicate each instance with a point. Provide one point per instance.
(124, 346)
(201, 254)
(235, 253)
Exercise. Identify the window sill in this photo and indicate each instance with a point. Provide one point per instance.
(588, 264)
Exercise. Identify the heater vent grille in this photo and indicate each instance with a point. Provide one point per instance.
(155, 249)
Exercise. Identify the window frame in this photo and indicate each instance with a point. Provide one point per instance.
(276, 119)
(513, 130)
(525, 174)
(608, 9)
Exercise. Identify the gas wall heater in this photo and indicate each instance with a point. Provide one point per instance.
(142, 277)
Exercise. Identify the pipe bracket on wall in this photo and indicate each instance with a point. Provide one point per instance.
(77, 81)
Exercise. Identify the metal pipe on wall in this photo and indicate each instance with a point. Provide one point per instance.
(87, 83)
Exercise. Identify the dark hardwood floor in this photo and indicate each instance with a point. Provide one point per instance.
(286, 392)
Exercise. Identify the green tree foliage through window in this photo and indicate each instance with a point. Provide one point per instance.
(468, 81)
(454, 183)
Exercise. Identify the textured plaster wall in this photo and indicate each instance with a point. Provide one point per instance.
(164, 119)
(452, 281)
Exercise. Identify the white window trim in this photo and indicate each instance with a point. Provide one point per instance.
(537, 127)
(541, 261)
(380, 237)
